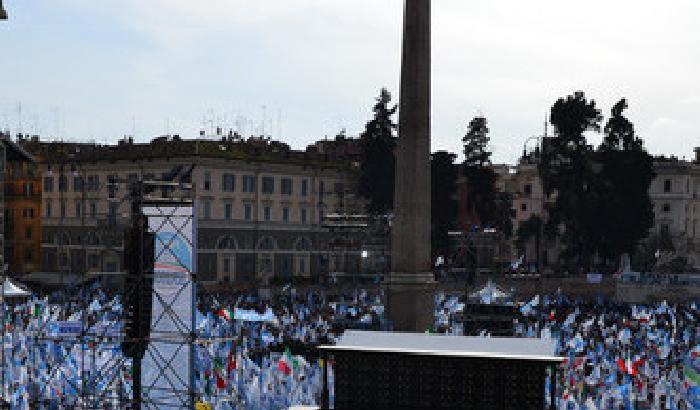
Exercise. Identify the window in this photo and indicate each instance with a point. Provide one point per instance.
(28, 255)
(78, 184)
(248, 183)
(112, 216)
(228, 183)
(285, 214)
(268, 185)
(48, 184)
(132, 177)
(667, 208)
(302, 265)
(112, 188)
(63, 183)
(48, 208)
(248, 212)
(207, 181)
(207, 210)
(28, 189)
(28, 213)
(93, 209)
(320, 189)
(93, 182)
(78, 209)
(339, 188)
(93, 261)
(303, 215)
(28, 233)
(227, 266)
(267, 213)
(286, 186)
(527, 189)
(63, 209)
(228, 211)
(304, 187)
(320, 215)
(523, 207)
(667, 185)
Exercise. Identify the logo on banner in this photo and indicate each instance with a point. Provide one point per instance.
(173, 253)
(173, 263)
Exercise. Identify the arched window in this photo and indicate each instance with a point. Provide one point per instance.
(227, 242)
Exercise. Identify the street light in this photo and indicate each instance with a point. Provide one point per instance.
(3, 12)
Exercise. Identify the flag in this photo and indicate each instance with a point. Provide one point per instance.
(284, 367)
(231, 362)
(220, 382)
(225, 313)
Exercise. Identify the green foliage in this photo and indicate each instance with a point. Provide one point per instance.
(377, 170)
(443, 204)
(567, 168)
(601, 197)
(476, 141)
(491, 207)
(626, 214)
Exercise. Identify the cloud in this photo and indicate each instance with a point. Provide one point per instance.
(664, 122)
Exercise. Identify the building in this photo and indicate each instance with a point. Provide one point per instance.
(21, 209)
(260, 205)
(675, 194)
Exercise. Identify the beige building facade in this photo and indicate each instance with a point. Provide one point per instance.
(260, 206)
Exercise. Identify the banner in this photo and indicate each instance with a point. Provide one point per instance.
(594, 277)
(253, 316)
(166, 377)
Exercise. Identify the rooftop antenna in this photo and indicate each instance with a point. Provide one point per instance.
(19, 117)
(279, 123)
(264, 119)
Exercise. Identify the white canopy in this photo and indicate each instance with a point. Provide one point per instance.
(10, 290)
(490, 293)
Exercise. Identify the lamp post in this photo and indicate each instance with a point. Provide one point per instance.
(3, 12)
(534, 137)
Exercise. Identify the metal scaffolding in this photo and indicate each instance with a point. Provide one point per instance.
(99, 366)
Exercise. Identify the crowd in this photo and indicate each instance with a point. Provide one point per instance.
(259, 353)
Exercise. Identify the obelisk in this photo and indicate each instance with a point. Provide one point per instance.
(410, 285)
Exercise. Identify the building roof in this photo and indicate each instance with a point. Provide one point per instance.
(15, 152)
(457, 346)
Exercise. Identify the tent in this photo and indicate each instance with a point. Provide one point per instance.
(11, 290)
(491, 293)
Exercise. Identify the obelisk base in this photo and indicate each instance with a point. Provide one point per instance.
(411, 301)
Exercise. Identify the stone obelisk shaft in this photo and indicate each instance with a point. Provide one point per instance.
(410, 285)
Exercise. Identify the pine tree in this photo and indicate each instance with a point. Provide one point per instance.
(567, 169)
(476, 141)
(377, 169)
(627, 212)
(444, 206)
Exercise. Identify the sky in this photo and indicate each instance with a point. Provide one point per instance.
(299, 70)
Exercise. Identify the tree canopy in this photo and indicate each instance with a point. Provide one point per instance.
(377, 169)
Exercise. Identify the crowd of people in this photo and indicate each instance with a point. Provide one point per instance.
(260, 353)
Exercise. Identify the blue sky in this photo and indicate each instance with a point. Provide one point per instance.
(101, 69)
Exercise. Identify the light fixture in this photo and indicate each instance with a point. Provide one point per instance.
(3, 12)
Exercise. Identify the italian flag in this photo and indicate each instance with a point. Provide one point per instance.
(231, 363)
(218, 371)
(225, 313)
(287, 362)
